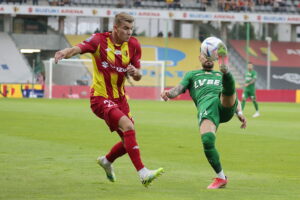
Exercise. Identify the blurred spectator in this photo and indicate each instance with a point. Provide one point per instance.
(228, 5)
(250, 5)
(170, 3)
(221, 5)
(40, 79)
(276, 6)
(137, 3)
(160, 34)
(170, 34)
(177, 4)
(120, 4)
(203, 5)
(241, 5)
(35, 2)
(97, 30)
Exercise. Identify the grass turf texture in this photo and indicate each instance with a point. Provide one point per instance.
(48, 150)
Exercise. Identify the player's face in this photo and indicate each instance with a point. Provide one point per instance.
(123, 31)
(250, 67)
(206, 64)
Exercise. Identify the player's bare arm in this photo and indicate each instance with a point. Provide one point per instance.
(134, 73)
(172, 93)
(253, 81)
(240, 115)
(66, 53)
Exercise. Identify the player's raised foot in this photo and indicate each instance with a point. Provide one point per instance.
(150, 176)
(256, 114)
(108, 168)
(223, 58)
(218, 183)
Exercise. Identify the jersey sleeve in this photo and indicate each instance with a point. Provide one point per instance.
(137, 54)
(89, 45)
(185, 82)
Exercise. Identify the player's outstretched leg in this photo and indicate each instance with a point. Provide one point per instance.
(223, 58)
(148, 176)
(212, 155)
(108, 168)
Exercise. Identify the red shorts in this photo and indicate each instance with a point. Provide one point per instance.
(110, 110)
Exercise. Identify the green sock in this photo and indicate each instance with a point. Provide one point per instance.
(243, 104)
(228, 84)
(255, 105)
(211, 153)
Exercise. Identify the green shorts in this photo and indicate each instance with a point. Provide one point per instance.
(213, 110)
(249, 93)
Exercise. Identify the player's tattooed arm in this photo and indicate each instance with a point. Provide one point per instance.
(175, 91)
(172, 93)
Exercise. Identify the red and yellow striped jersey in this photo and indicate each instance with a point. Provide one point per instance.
(110, 63)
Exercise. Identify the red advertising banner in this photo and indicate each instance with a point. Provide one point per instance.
(283, 54)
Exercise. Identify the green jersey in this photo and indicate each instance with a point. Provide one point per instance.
(202, 85)
(250, 75)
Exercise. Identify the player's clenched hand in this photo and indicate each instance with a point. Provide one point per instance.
(243, 120)
(134, 73)
(164, 95)
(131, 70)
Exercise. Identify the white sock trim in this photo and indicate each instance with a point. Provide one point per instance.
(143, 172)
(105, 161)
(221, 175)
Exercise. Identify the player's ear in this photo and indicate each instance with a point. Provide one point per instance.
(202, 58)
(115, 27)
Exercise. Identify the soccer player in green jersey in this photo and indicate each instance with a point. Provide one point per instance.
(214, 95)
(249, 89)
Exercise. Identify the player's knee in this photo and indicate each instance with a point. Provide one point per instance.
(208, 140)
(125, 124)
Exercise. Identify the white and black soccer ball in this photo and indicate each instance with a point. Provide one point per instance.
(209, 48)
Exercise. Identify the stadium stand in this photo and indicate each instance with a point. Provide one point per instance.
(257, 6)
(14, 69)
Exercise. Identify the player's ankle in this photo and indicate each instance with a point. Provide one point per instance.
(143, 172)
(105, 161)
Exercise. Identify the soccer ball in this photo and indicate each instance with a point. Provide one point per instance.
(209, 48)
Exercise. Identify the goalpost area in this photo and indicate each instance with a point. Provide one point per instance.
(152, 84)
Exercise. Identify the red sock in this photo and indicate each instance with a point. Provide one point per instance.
(132, 149)
(116, 151)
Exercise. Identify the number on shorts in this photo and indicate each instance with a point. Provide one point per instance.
(109, 103)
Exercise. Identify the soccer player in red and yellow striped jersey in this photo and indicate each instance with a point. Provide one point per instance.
(116, 55)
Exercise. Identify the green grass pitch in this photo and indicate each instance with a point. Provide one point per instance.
(48, 151)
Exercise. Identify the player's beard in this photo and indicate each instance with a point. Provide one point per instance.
(208, 66)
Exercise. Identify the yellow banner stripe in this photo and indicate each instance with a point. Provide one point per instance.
(125, 53)
(113, 81)
(110, 51)
(297, 96)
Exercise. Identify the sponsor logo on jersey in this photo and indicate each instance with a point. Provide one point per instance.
(117, 68)
(200, 83)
